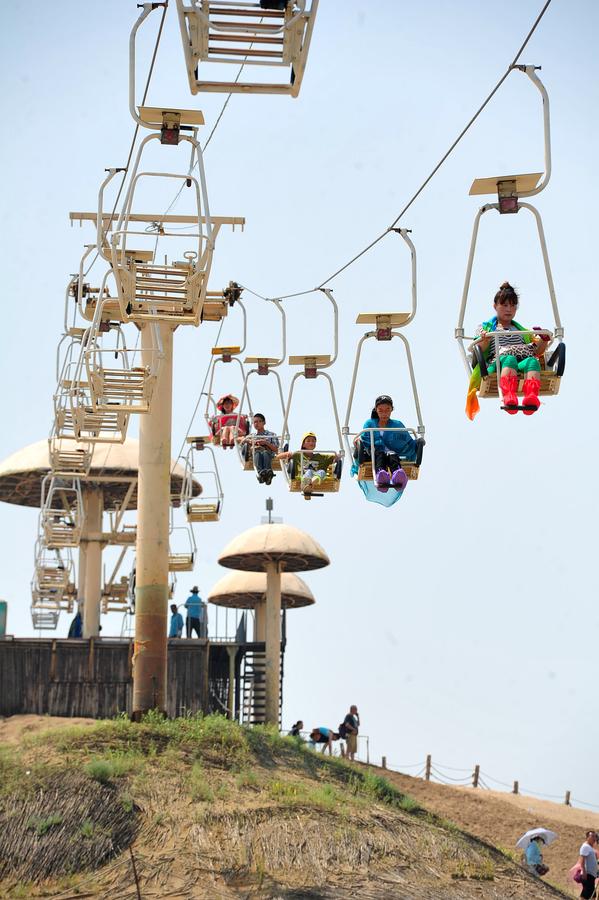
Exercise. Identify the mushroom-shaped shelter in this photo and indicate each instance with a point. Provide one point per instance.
(288, 548)
(245, 590)
(111, 482)
(112, 468)
(273, 549)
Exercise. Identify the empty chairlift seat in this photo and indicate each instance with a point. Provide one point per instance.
(182, 549)
(199, 505)
(45, 616)
(155, 292)
(267, 35)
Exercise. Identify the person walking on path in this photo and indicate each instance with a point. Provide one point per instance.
(351, 727)
(176, 629)
(196, 612)
(588, 864)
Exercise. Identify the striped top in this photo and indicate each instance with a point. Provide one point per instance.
(511, 342)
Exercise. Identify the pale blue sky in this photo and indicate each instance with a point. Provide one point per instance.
(463, 621)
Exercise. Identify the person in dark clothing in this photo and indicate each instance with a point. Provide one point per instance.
(76, 627)
(296, 730)
(350, 728)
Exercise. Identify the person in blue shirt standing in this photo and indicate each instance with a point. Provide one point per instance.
(197, 619)
(176, 629)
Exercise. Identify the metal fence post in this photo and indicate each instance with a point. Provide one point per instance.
(427, 773)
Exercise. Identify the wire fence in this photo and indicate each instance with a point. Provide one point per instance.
(474, 777)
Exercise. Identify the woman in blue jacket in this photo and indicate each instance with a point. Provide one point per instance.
(389, 446)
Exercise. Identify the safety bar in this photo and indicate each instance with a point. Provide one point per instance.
(372, 431)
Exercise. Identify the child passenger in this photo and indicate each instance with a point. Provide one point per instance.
(311, 467)
(228, 425)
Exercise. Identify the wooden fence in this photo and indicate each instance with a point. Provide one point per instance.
(93, 678)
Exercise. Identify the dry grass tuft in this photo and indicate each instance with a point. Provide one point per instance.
(71, 824)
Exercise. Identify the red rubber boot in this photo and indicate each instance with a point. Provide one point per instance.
(530, 400)
(509, 387)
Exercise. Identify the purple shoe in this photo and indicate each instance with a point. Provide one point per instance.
(383, 479)
(399, 479)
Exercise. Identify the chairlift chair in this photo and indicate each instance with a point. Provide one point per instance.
(226, 354)
(45, 615)
(510, 190)
(74, 415)
(313, 366)
(61, 512)
(264, 366)
(206, 507)
(115, 595)
(148, 290)
(120, 377)
(386, 325)
(268, 33)
(53, 571)
(182, 549)
(69, 457)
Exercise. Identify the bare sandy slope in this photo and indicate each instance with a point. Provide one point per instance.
(13, 728)
(502, 818)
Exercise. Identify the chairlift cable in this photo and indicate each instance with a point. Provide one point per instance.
(443, 159)
(214, 127)
(451, 149)
(200, 395)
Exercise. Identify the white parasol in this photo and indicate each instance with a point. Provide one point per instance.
(548, 837)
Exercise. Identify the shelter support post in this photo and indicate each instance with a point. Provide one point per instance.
(81, 570)
(93, 500)
(260, 623)
(232, 651)
(273, 644)
(152, 547)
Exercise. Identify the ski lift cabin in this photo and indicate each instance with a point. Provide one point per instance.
(266, 36)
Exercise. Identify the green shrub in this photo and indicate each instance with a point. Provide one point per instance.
(200, 788)
(43, 825)
(247, 779)
(87, 829)
(100, 770)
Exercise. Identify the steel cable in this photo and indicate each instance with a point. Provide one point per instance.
(443, 159)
